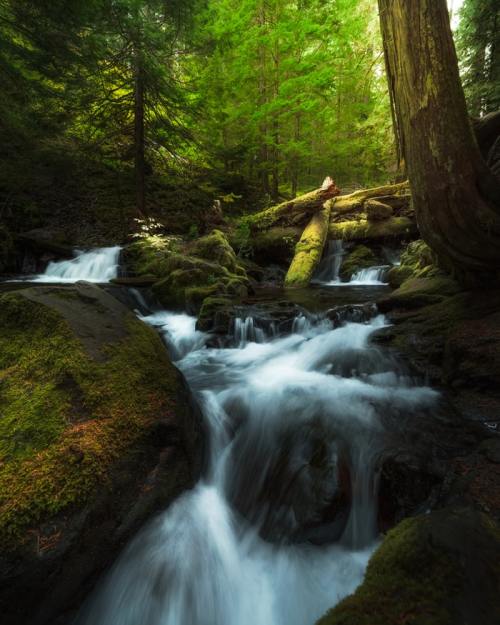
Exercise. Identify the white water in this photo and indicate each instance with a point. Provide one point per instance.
(269, 408)
(371, 276)
(329, 268)
(99, 265)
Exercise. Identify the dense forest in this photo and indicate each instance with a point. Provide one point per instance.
(250, 312)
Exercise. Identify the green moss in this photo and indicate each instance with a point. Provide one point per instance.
(216, 248)
(364, 229)
(308, 250)
(149, 254)
(426, 573)
(66, 418)
(216, 311)
(361, 257)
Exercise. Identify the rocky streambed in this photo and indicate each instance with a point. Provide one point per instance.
(308, 428)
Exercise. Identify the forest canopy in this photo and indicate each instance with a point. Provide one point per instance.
(112, 106)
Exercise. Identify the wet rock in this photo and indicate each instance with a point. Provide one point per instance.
(295, 488)
(436, 568)
(98, 432)
(361, 257)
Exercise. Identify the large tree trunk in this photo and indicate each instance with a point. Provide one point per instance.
(455, 195)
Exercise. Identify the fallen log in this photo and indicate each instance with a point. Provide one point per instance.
(361, 230)
(309, 249)
(355, 201)
(293, 212)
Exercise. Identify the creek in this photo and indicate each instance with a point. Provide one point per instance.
(283, 520)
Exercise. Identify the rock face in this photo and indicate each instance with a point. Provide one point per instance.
(439, 569)
(98, 431)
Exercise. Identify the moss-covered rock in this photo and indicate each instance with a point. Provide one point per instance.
(417, 292)
(361, 257)
(362, 229)
(215, 315)
(377, 210)
(188, 273)
(216, 248)
(96, 433)
(417, 261)
(437, 569)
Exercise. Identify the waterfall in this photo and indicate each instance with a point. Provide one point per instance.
(99, 265)
(295, 425)
(370, 276)
(329, 268)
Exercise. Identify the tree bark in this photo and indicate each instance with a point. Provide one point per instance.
(455, 195)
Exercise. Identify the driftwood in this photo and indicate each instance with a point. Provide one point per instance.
(295, 211)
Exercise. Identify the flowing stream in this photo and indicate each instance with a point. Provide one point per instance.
(99, 265)
(284, 519)
(328, 272)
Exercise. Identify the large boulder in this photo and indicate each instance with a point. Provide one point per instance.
(98, 431)
(187, 274)
(439, 568)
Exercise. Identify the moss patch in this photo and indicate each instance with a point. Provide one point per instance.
(309, 250)
(395, 227)
(437, 569)
(67, 417)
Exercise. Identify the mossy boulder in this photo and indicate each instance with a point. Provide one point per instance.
(418, 292)
(98, 431)
(215, 315)
(437, 569)
(377, 210)
(216, 248)
(361, 257)
(417, 261)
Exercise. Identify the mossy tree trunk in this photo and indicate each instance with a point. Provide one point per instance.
(455, 195)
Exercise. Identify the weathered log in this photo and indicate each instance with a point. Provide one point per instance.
(361, 230)
(354, 201)
(296, 210)
(377, 210)
(309, 249)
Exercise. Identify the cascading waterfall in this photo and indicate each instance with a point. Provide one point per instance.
(329, 268)
(99, 265)
(370, 276)
(282, 524)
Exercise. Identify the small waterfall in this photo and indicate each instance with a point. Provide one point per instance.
(247, 330)
(99, 265)
(296, 424)
(370, 276)
(329, 268)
